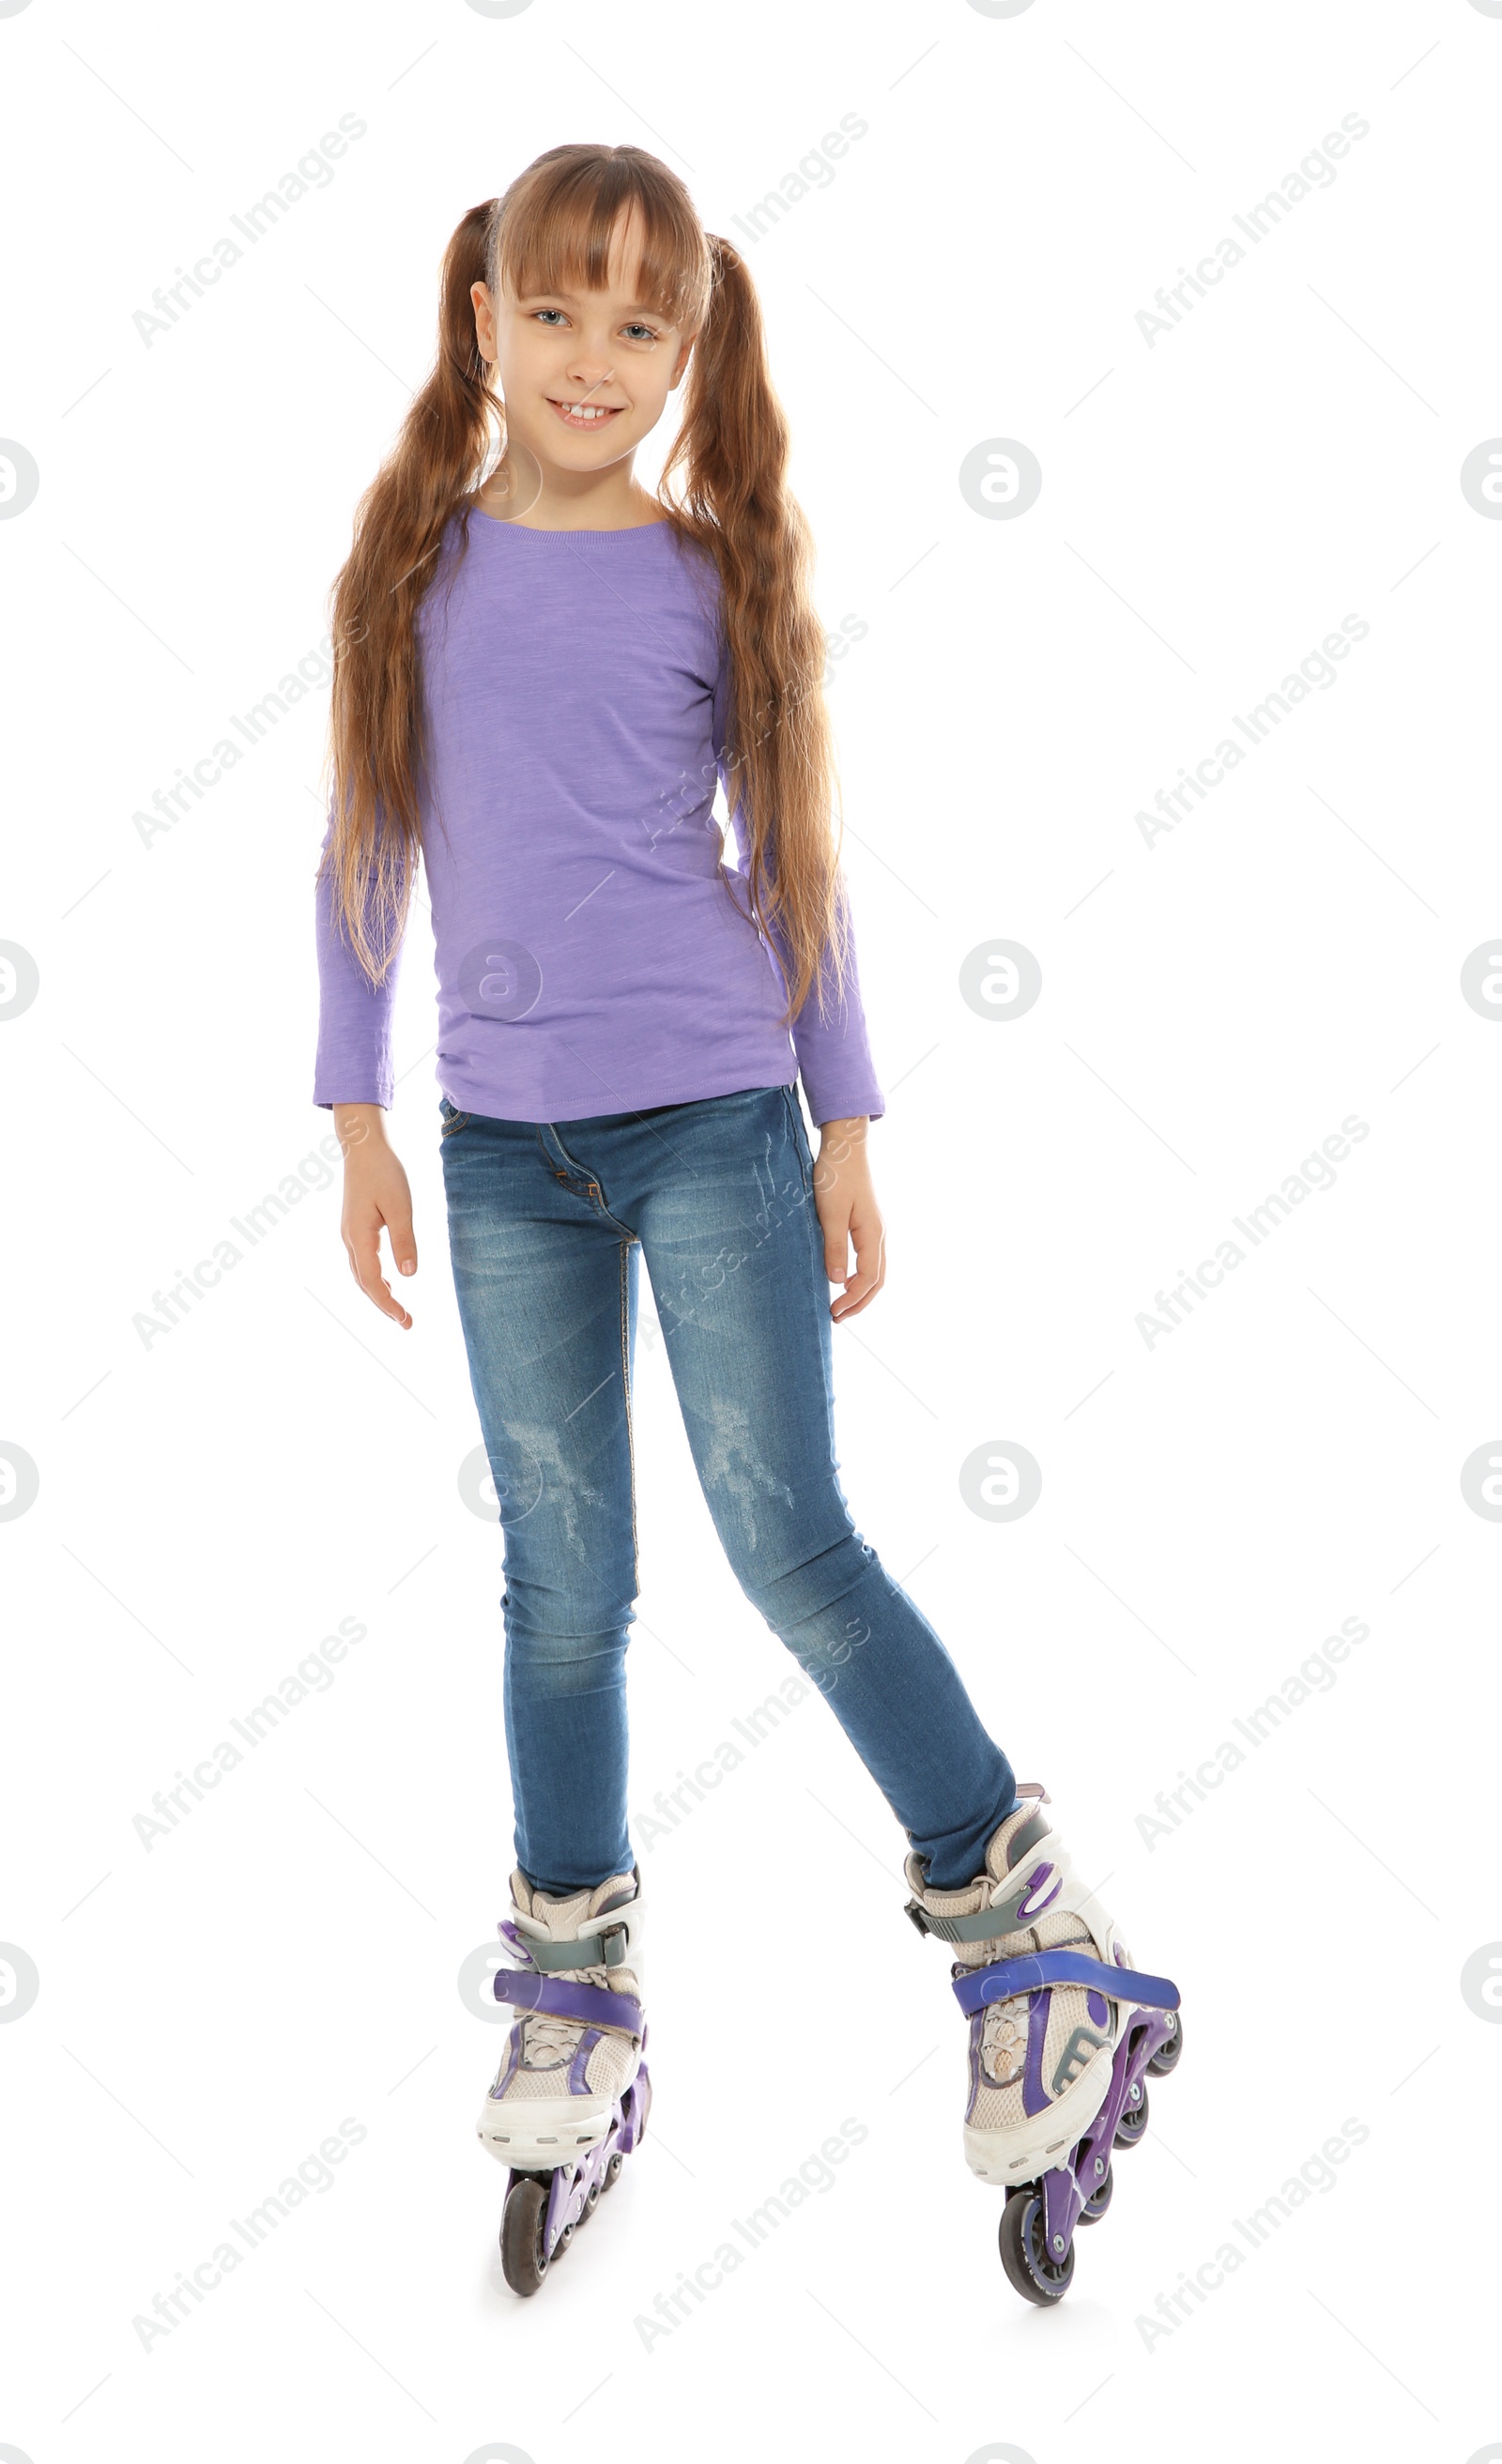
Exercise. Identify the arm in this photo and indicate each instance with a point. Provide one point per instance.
(840, 1082)
(353, 1079)
(832, 1046)
(829, 1037)
(353, 1064)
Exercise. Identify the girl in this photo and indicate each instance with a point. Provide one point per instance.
(542, 673)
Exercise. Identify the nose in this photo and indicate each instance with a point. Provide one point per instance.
(590, 369)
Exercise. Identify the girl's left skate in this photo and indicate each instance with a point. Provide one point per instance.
(571, 2096)
(1064, 2033)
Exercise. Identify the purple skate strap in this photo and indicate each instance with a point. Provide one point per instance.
(1005, 1977)
(593, 2006)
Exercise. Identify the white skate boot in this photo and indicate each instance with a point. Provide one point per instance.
(1061, 2030)
(571, 2095)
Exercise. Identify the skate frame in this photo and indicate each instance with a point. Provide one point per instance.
(1067, 2186)
(571, 2185)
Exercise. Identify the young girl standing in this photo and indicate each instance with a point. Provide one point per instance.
(542, 675)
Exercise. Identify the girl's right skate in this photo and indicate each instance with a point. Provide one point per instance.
(571, 2096)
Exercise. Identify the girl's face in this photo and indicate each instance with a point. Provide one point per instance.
(585, 376)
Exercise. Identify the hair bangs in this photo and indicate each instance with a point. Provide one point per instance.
(559, 226)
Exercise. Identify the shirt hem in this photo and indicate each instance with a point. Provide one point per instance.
(693, 1092)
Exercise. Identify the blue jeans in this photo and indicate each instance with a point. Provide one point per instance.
(547, 1223)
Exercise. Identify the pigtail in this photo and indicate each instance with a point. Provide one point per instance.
(732, 452)
(374, 751)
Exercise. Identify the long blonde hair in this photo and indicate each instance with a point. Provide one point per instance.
(554, 227)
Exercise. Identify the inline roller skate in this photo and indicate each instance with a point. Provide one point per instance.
(1064, 2033)
(571, 2096)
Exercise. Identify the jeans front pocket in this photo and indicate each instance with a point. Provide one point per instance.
(452, 1120)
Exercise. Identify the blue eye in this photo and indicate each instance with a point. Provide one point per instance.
(645, 331)
(549, 312)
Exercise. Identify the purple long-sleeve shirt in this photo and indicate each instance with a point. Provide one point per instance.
(587, 954)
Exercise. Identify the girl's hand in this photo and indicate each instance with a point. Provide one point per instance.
(847, 1211)
(376, 1192)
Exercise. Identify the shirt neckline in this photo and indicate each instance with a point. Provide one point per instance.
(488, 522)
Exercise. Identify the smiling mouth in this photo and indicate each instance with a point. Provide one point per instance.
(585, 414)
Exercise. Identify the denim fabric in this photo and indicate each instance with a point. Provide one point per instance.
(547, 1225)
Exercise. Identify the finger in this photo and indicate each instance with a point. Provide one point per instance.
(404, 1245)
(836, 1252)
(870, 1272)
(364, 1248)
(842, 1308)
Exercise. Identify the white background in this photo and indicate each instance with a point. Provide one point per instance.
(1213, 1005)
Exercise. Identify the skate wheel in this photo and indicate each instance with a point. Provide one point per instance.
(1133, 2124)
(523, 2256)
(1098, 2201)
(612, 2171)
(592, 2201)
(1037, 2274)
(1166, 2057)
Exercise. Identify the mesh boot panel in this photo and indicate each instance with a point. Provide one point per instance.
(540, 2051)
(1078, 2022)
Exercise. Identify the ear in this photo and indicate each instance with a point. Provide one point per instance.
(684, 356)
(485, 321)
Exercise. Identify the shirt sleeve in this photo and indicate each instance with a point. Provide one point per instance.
(353, 1062)
(834, 1059)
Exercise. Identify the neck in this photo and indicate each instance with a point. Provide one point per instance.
(553, 500)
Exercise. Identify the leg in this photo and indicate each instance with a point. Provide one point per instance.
(546, 1288)
(733, 1246)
